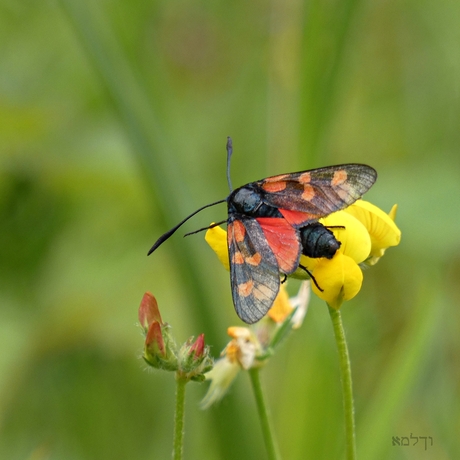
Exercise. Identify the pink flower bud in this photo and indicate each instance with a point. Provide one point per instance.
(154, 342)
(148, 311)
(197, 349)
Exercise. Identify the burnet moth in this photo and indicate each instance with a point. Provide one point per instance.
(272, 221)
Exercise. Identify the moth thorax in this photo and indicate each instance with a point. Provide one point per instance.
(246, 200)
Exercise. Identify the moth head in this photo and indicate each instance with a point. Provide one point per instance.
(245, 200)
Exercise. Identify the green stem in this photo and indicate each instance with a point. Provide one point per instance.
(347, 390)
(179, 417)
(267, 431)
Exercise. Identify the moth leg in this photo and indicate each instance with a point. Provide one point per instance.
(284, 279)
(310, 274)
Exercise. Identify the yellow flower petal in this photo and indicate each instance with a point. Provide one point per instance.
(355, 239)
(216, 237)
(381, 227)
(340, 278)
(237, 332)
(393, 212)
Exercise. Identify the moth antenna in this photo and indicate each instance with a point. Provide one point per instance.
(229, 155)
(215, 224)
(166, 235)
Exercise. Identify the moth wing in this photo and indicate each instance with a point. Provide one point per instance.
(284, 241)
(318, 192)
(254, 272)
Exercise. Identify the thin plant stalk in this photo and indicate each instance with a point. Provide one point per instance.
(179, 417)
(267, 429)
(347, 388)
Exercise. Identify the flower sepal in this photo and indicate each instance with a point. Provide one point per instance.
(160, 350)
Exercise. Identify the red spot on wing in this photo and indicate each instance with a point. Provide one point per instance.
(274, 186)
(297, 218)
(237, 258)
(238, 230)
(245, 289)
(304, 178)
(339, 178)
(283, 241)
(308, 192)
(254, 260)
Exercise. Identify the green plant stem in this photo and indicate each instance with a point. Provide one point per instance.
(347, 389)
(267, 431)
(179, 417)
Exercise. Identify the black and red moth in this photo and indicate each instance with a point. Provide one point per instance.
(272, 221)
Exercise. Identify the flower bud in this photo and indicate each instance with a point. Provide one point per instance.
(154, 342)
(148, 311)
(194, 359)
(159, 347)
(197, 348)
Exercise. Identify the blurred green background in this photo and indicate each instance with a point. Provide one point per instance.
(113, 123)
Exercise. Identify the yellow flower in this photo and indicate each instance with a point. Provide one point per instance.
(381, 227)
(364, 231)
(240, 353)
